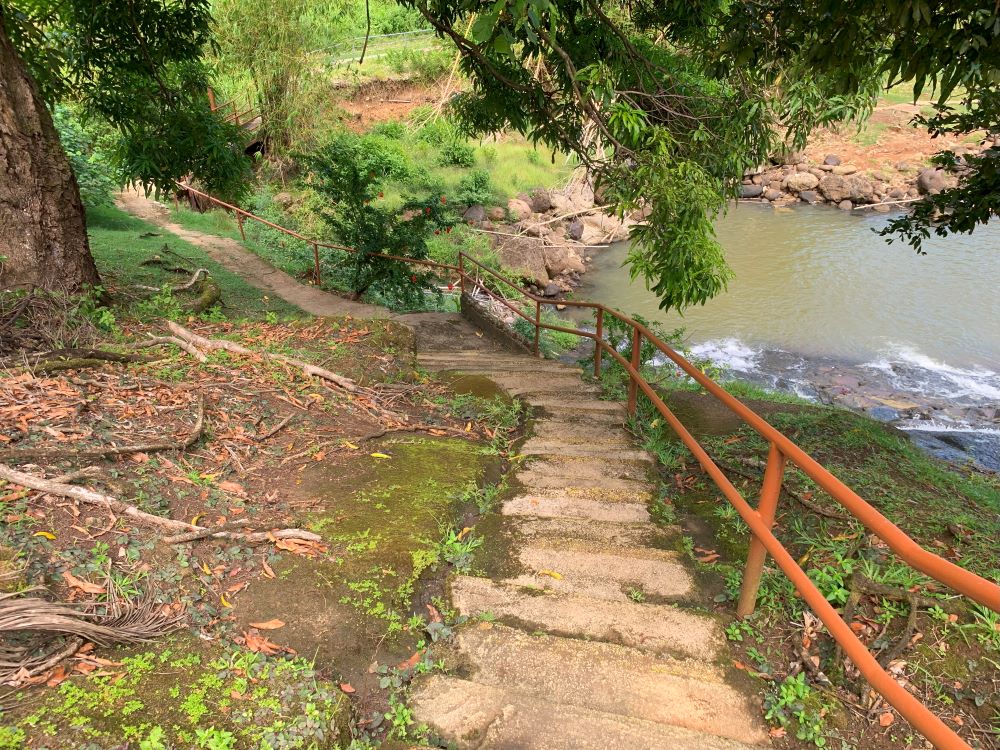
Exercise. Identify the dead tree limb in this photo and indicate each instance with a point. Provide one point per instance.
(201, 342)
(90, 497)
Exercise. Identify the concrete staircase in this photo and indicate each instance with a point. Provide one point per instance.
(596, 638)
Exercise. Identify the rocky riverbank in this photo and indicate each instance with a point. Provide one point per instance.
(797, 179)
(548, 236)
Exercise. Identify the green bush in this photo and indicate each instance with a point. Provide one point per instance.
(350, 173)
(476, 188)
(436, 132)
(393, 129)
(457, 153)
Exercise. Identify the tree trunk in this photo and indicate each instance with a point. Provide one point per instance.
(43, 230)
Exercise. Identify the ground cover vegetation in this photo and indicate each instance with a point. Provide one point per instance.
(941, 647)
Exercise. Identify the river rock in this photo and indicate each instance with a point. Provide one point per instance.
(751, 191)
(772, 195)
(526, 257)
(518, 208)
(897, 193)
(903, 166)
(844, 169)
(497, 214)
(810, 196)
(845, 205)
(933, 180)
(831, 160)
(883, 413)
(560, 203)
(562, 260)
(474, 214)
(552, 289)
(575, 229)
(541, 201)
(801, 181)
(837, 188)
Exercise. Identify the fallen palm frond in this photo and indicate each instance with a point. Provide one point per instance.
(36, 634)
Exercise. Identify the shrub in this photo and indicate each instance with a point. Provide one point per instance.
(393, 129)
(457, 153)
(475, 188)
(350, 174)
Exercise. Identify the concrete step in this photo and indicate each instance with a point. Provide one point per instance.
(593, 535)
(591, 468)
(535, 478)
(656, 628)
(472, 716)
(609, 678)
(567, 507)
(621, 451)
(582, 434)
(570, 406)
(575, 568)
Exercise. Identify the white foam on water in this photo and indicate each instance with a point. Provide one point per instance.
(730, 353)
(937, 425)
(912, 370)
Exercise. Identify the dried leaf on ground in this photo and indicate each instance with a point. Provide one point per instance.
(301, 547)
(886, 719)
(85, 586)
(268, 625)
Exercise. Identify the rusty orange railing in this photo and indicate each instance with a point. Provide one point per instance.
(782, 451)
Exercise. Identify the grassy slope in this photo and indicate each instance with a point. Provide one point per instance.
(121, 242)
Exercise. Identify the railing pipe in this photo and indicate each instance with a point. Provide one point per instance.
(633, 379)
(538, 325)
(769, 493)
(598, 338)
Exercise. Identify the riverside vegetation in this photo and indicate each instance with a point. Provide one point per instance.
(942, 648)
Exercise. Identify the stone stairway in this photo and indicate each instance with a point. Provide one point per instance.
(594, 636)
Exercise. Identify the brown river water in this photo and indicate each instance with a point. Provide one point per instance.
(824, 307)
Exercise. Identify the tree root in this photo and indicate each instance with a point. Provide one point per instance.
(22, 454)
(209, 295)
(200, 342)
(175, 528)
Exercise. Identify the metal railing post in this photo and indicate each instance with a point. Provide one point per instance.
(597, 342)
(633, 384)
(769, 492)
(316, 261)
(538, 325)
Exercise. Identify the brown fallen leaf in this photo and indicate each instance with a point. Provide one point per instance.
(234, 487)
(886, 719)
(268, 625)
(268, 572)
(85, 667)
(85, 586)
(56, 676)
(411, 662)
(434, 614)
(260, 645)
(778, 732)
(705, 559)
(347, 688)
(301, 547)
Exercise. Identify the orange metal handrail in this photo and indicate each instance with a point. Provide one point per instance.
(760, 520)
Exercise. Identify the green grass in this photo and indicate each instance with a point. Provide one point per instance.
(121, 243)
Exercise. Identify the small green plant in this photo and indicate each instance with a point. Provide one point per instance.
(794, 702)
(457, 548)
(636, 595)
(214, 739)
(400, 719)
(154, 740)
(737, 630)
(476, 188)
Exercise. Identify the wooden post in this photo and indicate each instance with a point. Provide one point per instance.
(769, 492)
(633, 384)
(239, 223)
(316, 262)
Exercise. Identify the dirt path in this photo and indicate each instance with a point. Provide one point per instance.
(251, 267)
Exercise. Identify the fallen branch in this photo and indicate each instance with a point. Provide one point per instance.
(157, 340)
(201, 342)
(176, 528)
(274, 430)
(801, 500)
(19, 454)
(209, 295)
